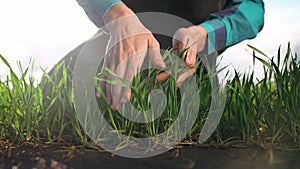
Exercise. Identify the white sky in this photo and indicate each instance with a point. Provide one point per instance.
(47, 30)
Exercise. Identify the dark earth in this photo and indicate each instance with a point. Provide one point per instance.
(30, 156)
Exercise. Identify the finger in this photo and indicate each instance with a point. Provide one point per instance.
(126, 96)
(184, 76)
(179, 45)
(117, 90)
(180, 41)
(98, 94)
(155, 55)
(110, 63)
(126, 71)
(175, 44)
(190, 58)
(124, 93)
(163, 76)
(115, 96)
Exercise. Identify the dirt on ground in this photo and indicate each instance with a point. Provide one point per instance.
(183, 157)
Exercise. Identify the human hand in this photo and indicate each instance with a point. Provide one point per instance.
(130, 42)
(193, 40)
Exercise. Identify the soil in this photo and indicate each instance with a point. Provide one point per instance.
(184, 157)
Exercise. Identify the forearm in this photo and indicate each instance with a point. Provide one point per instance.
(239, 20)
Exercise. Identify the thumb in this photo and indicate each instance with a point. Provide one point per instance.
(155, 56)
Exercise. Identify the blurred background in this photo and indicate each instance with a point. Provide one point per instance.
(45, 31)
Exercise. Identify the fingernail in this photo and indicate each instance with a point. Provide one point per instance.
(113, 107)
(98, 95)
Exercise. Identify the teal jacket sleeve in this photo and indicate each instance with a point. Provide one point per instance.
(97, 9)
(240, 20)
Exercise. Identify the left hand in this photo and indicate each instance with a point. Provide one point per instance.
(194, 40)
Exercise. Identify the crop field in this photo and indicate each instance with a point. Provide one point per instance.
(257, 112)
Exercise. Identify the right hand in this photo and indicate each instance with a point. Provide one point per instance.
(129, 44)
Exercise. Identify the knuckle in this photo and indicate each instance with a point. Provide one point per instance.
(153, 42)
(181, 30)
(156, 44)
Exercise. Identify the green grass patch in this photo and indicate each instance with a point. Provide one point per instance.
(267, 111)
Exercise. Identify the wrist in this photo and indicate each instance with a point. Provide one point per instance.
(202, 30)
(117, 11)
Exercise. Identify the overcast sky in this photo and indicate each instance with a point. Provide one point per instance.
(46, 30)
